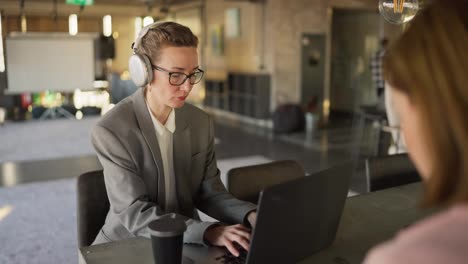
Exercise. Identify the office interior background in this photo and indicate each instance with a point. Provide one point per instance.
(284, 80)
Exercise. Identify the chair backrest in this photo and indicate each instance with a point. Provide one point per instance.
(92, 206)
(245, 183)
(390, 171)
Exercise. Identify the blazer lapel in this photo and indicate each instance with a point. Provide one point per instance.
(182, 160)
(155, 182)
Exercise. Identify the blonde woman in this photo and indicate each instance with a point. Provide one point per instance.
(427, 69)
(158, 153)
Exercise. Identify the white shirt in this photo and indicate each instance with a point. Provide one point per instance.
(165, 140)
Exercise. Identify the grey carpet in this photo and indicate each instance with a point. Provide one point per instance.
(49, 139)
(41, 226)
(38, 220)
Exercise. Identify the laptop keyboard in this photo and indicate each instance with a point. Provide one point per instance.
(228, 258)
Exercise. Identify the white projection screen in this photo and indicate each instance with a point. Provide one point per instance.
(58, 62)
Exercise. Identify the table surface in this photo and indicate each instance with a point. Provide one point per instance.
(367, 220)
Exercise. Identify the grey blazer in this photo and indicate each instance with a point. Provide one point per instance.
(127, 147)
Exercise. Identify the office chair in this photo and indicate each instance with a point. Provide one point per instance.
(92, 206)
(366, 114)
(245, 183)
(389, 171)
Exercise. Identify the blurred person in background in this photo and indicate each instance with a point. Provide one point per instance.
(376, 68)
(384, 99)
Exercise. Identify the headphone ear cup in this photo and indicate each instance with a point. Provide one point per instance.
(149, 68)
(140, 69)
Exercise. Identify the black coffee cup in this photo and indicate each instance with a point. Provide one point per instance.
(167, 234)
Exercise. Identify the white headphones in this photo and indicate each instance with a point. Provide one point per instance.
(139, 65)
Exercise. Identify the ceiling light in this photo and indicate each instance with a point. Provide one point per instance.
(138, 25)
(147, 20)
(398, 11)
(24, 23)
(73, 24)
(107, 25)
(2, 57)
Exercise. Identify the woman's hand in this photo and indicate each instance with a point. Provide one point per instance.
(220, 235)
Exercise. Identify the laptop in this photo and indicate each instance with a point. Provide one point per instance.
(294, 220)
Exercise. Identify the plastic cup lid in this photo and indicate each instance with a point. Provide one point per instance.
(167, 227)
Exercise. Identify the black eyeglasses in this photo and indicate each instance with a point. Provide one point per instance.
(178, 78)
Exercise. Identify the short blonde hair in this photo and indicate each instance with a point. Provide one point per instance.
(429, 63)
(165, 34)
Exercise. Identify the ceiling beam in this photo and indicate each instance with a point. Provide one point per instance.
(11, 7)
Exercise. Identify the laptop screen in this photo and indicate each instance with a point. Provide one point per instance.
(300, 217)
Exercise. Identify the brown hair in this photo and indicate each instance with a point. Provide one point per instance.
(166, 34)
(429, 63)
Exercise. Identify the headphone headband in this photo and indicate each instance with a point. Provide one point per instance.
(142, 33)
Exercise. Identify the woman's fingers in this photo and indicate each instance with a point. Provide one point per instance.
(239, 239)
(241, 227)
(242, 233)
(228, 236)
(229, 245)
(243, 242)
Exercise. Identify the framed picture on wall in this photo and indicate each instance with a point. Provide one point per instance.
(232, 22)
(217, 40)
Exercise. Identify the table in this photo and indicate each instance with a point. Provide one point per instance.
(367, 220)
(370, 219)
